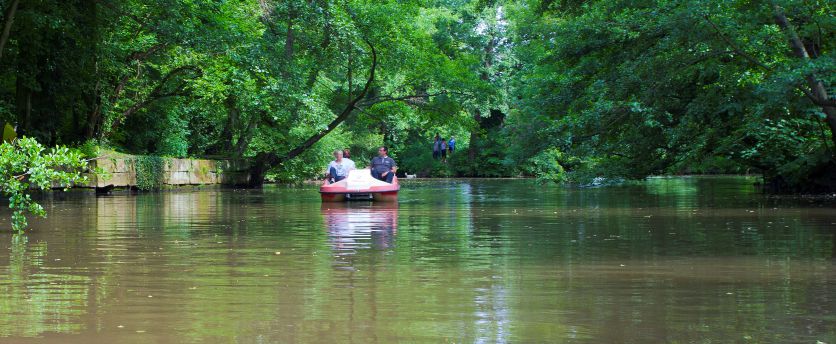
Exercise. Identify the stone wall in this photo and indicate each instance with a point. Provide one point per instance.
(120, 172)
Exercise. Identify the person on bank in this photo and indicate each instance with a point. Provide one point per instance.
(451, 145)
(383, 167)
(443, 150)
(437, 147)
(339, 168)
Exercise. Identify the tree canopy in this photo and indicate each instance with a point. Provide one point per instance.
(562, 90)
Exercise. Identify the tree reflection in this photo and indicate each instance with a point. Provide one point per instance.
(474, 261)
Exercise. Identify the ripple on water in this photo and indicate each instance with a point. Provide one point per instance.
(687, 260)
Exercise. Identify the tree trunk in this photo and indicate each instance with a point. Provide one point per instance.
(490, 51)
(24, 108)
(7, 26)
(288, 45)
(288, 42)
(26, 74)
(831, 122)
(92, 97)
(474, 136)
(246, 136)
(818, 92)
(231, 122)
(94, 119)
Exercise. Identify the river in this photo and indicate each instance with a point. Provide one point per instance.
(688, 260)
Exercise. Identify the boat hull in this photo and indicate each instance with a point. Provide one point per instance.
(359, 186)
(390, 196)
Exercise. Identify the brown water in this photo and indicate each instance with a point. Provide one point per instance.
(688, 260)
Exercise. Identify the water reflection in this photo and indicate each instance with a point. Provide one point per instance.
(673, 260)
(352, 227)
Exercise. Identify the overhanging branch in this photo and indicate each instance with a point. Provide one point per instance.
(157, 93)
(267, 160)
(408, 98)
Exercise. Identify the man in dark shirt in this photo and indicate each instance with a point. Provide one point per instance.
(383, 167)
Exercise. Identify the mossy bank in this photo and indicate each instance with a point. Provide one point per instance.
(146, 172)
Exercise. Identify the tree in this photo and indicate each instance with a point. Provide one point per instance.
(639, 88)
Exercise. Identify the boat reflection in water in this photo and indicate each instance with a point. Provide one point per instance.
(353, 227)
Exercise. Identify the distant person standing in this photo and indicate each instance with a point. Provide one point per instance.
(443, 150)
(383, 167)
(437, 147)
(451, 145)
(346, 153)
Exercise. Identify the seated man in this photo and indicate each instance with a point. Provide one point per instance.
(383, 167)
(339, 168)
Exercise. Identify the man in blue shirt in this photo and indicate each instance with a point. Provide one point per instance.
(383, 167)
(451, 145)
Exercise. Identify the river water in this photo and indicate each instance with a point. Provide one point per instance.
(688, 260)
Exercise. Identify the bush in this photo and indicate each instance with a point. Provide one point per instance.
(89, 149)
(546, 166)
(25, 163)
(491, 158)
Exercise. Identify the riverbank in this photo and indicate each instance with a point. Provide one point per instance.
(114, 170)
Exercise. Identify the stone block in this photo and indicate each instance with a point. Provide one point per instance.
(204, 166)
(106, 164)
(178, 165)
(115, 165)
(177, 178)
(118, 179)
(124, 165)
(209, 177)
(203, 172)
(121, 172)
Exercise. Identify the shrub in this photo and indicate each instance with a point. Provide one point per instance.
(24, 164)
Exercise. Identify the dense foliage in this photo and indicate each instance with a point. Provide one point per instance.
(652, 87)
(562, 90)
(26, 164)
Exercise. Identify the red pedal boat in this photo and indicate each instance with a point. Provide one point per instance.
(360, 185)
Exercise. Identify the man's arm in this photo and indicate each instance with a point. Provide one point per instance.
(394, 165)
(385, 162)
